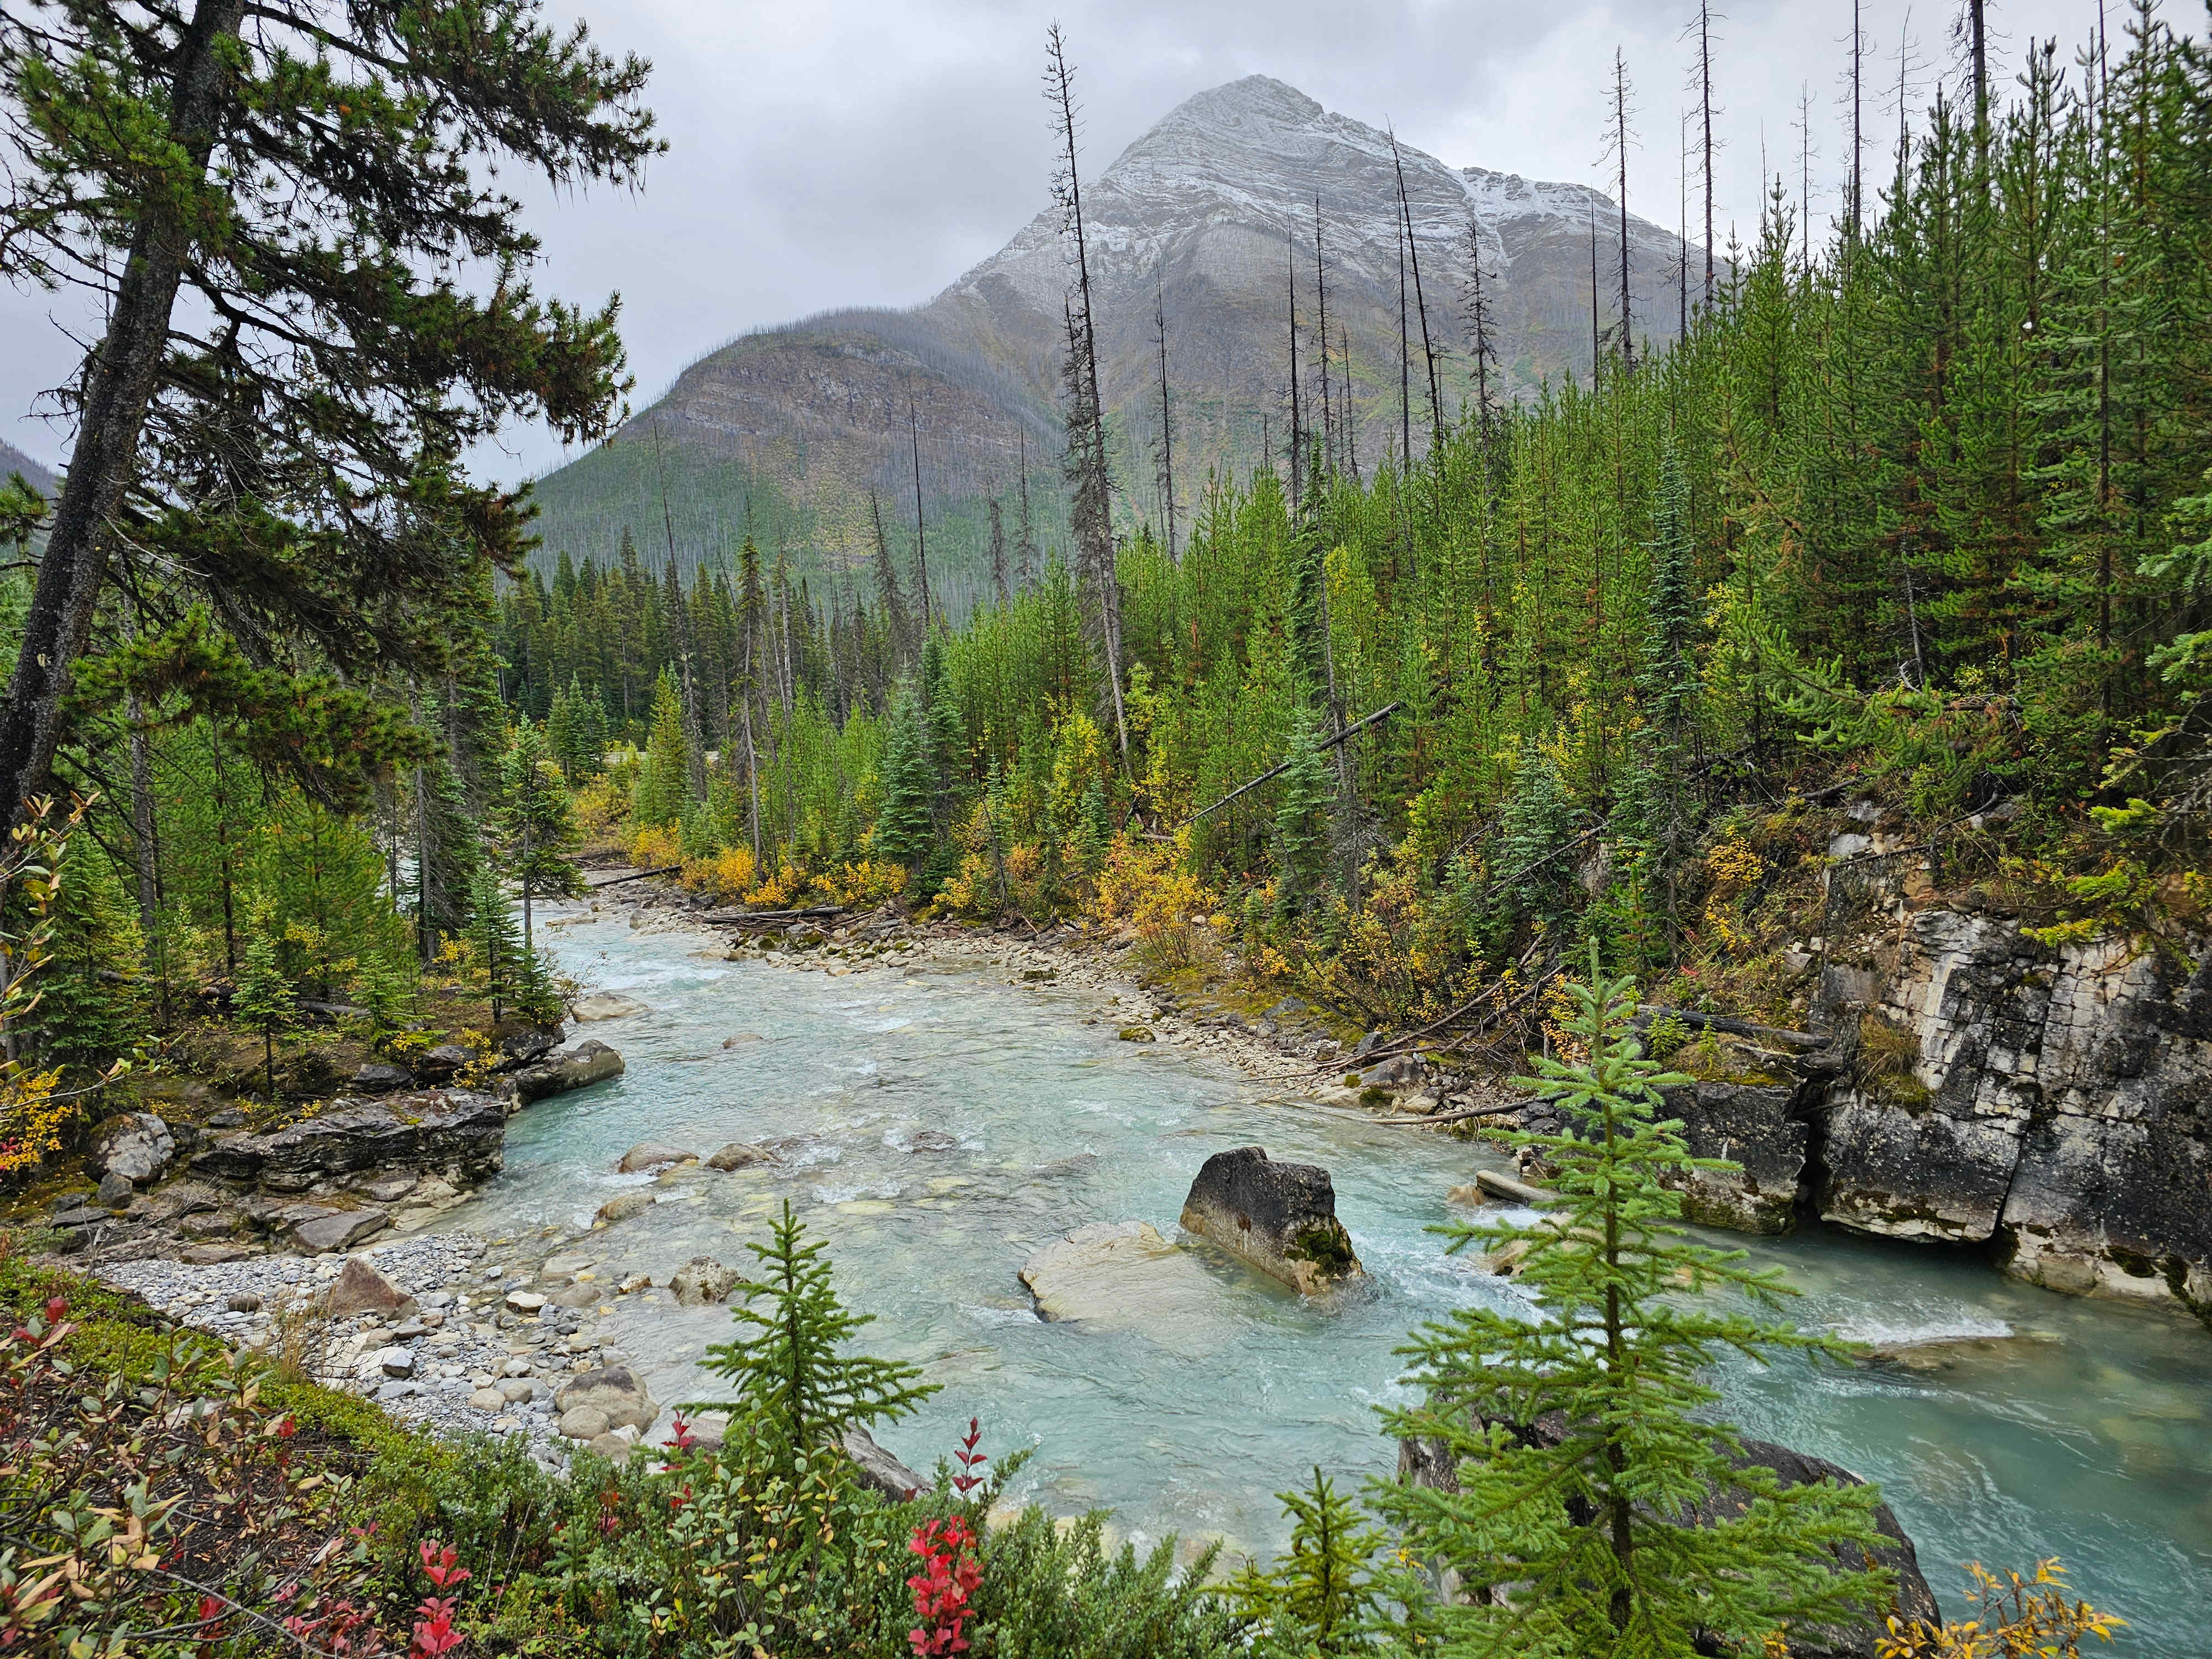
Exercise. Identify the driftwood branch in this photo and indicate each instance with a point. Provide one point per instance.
(634, 875)
(1352, 730)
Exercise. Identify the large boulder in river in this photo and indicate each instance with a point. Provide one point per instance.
(579, 1067)
(136, 1145)
(1281, 1217)
(1427, 1462)
(455, 1134)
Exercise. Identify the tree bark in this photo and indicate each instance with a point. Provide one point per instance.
(119, 382)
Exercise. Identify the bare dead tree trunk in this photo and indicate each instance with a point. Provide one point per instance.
(1321, 303)
(1167, 423)
(1420, 303)
(920, 535)
(1705, 109)
(1620, 141)
(1297, 429)
(1094, 527)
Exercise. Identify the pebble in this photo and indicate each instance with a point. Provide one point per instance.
(446, 1367)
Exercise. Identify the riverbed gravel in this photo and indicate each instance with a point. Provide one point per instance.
(464, 1361)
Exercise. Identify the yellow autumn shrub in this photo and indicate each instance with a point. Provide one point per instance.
(1148, 884)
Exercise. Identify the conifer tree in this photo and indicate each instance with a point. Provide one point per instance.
(797, 1389)
(662, 778)
(264, 997)
(905, 822)
(1301, 821)
(1601, 1508)
(311, 179)
(1329, 1594)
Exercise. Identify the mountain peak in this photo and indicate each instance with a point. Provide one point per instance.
(1254, 100)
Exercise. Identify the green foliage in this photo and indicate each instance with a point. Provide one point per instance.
(1328, 1595)
(1302, 822)
(905, 828)
(1632, 1528)
(264, 997)
(664, 778)
(797, 1391)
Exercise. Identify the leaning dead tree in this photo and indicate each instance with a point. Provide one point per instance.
(1091, 485)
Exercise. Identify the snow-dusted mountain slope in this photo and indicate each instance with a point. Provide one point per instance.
(1208, 212)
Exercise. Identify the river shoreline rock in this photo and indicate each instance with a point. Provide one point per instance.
(2054, 1102)
(455, 1135)
(1279, 1217)
(579, 1067)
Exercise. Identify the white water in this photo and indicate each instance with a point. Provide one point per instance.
(937, 1126)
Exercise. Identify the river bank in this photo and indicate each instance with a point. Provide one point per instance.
(938, 1116)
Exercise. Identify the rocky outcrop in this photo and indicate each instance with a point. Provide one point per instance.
(137, 1147)
(1281, 1217)
(589, 1062)
(455, 1136)
(2053, 1102)
(1427, 1462)
(1755, 1127)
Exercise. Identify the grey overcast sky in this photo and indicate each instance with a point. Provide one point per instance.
(827, 153)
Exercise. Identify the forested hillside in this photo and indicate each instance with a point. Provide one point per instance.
(1927, 514)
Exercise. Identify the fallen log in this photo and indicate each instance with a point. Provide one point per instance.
(772, 918)
(1803, 1042)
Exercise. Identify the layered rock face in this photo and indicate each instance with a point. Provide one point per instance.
(1281, 1218)
(455, 1134)
(2055, 1102)
(1753, 1125)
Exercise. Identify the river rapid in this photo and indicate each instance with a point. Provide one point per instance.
(937, 1124)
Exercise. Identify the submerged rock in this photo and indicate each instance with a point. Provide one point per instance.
(1281, 1217)
(622, 1207)
(605, 1004)
(738, 1155)
(1125, 1276)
